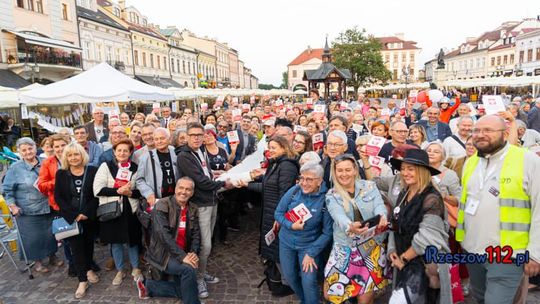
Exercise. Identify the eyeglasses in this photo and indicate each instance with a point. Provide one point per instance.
(299, 142)
(486, 131)
(334, 145)
(307, 179)
(401, 131)
(195, 135)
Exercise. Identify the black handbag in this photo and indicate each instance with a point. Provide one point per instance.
(141, 213)
(109, 211)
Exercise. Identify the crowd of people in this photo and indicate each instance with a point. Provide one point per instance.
(334, 214)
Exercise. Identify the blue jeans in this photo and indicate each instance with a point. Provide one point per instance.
(118, 255)
(183, 287)
(303, 283)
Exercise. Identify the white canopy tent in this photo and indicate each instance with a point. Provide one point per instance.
(187, 93)
(9, 97)
(397, 86)
(99, 84)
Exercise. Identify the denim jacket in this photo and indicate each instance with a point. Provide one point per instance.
(19, 189)
(369, 202)
(317, 232)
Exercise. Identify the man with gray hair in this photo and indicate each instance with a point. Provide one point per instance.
(336, 144)
(533, 119)
(117, 134)
(527, 137)
(286, 132)
(435, 129)
(95, 128)
(454, 146)
(157, 173)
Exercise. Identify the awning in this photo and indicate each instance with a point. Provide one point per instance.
(44, 41)
(162, 82)
(11, 80)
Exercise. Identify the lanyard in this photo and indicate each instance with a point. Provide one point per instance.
(483, 178)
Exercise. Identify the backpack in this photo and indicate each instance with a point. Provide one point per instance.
(273, 280)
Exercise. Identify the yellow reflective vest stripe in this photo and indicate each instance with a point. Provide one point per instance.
(514, 203)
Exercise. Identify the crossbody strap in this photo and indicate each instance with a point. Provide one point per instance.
(154, 172)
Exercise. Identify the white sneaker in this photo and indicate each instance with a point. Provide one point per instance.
(210, 279)
(118, 278)
(136, 273)
(203, 289)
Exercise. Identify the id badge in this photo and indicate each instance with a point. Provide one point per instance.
(471, 206)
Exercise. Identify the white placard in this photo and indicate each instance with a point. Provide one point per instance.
(319, 109)
(493, 104)
(24, 112)
(413, 93)
(374, 145)
(269, 237)
(343, 105)
(299, 128)
(385, 112)
(233, 137)
(357, 127)
(204, 106)
(235, 100)
(155, 106)
(237, 114)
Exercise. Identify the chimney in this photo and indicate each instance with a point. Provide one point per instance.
(309, 49)
(400, 36)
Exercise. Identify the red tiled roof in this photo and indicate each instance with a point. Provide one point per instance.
(528, 30)
(502, 46)
(407, 45)
(307, 55)
(145, 30)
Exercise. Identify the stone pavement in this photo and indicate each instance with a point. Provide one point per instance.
(238, 267)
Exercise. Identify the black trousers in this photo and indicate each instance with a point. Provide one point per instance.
(82, 248)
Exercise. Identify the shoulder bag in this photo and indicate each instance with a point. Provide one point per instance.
(109, 211)
(61, 228)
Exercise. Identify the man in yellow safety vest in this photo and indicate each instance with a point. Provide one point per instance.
(499, 207)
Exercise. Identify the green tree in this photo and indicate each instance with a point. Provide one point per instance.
(264, 86)
(285, 80)
(361, 54)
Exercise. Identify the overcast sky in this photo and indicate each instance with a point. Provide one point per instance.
(270, 34)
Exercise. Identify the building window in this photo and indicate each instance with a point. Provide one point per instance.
(144, 59)
(521, 56)
(86, 49)
(136, 55)
(20, 3)
(39, 6)
(158, 63)
(137, 20)
(145, 22)
(395, 73)
(194, 69)
(178, 65)
(529, 55)
(537, 54)
(411, 58)
(403, 57)
(294, 75)
(30, 5)
(505, 59)
(172, 65)
(118, 55)
(117, 12)
(98, 52)
(64, 11)
(511, 58)
(183, 67)
(165, 63)
(492, 61)
(109, 53)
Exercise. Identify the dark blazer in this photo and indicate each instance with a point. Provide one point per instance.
(534, 118)
(251, 147)
(443, 130)
(280, 176)
(92, 132)
(62, 195)
(205, 188)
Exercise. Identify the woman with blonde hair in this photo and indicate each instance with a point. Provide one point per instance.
(418, 136)
(73, 194)
(418, 222)
(355, 205)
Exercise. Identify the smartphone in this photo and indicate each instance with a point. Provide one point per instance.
(374, 221)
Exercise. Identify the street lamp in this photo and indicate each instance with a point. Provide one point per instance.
(406, 72)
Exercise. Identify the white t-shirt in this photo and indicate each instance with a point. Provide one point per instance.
(453, 148)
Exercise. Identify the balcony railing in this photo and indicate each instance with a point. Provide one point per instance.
(43, 56)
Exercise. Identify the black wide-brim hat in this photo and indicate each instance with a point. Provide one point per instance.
(416, 157)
